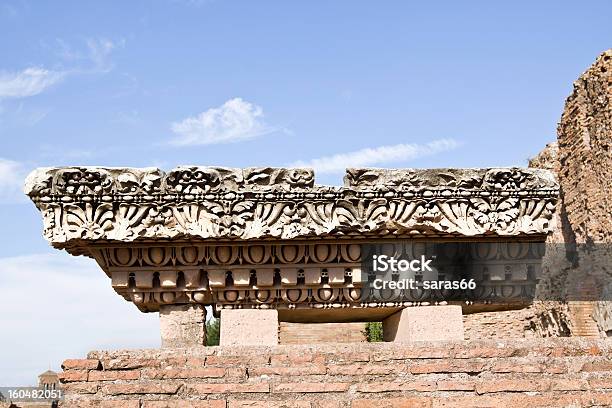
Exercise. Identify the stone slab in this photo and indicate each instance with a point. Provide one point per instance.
(182, 325)
(249, 327)
(425, 323)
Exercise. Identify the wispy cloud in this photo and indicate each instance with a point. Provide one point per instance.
(235, 120)
(12, 175)
(99, 52)
(377, 156)
(93, 58)
(29, 82)
(34, 80)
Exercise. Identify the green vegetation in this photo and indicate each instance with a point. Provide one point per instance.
(212, 332)
(374, 332)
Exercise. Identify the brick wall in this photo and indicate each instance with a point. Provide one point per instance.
(485, 373)
(309, 333)
(509, 324)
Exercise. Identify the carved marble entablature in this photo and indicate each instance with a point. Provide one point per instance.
(84, 205)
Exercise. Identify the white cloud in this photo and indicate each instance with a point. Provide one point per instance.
(60, 307)
(12, 175)
(34, 80)
(235, 120)
(29, 82)
(377, 156)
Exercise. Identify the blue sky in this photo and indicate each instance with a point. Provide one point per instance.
(245, 83)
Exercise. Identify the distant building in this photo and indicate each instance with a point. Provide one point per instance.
(48, 380)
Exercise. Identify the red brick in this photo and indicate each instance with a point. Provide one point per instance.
(293, 359)
(269, 404)
(140, 388)
(127, 363)
(350, 357)
(235, 373)
(237, 360)
(367, 369)
(72, 376)
(310, 369)
(511, 385)
(487, 352)
(407, 402)
(601, 365)
(565, 384)
(184, 404)
(177, 373)
(601, 383)
(455, 385)
(509, 366)
(599, 399)
(447, 366)
(114, 375)
(81, 403)
(421, 386)
(82, 364)
(410, 353)
(80, 388)
(195, 361)
(222, 388)
(311, 387)
(514, 400)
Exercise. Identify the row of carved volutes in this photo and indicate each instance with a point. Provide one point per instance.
(202, 180)
(332, 298)
(287, 296)
(319, 253)
(206, 254)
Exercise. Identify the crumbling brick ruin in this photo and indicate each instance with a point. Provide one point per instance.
(267, 248)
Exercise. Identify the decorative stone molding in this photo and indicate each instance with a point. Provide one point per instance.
(269, 238)
(81, 205)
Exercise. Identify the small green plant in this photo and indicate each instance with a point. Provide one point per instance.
(212, 332)
(374, 332)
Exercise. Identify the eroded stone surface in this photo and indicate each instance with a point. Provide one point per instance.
(81, 205)
(249, 327)
(182, 325)
(426, 323)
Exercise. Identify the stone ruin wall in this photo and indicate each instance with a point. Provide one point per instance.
(582, 161)
(485, 373)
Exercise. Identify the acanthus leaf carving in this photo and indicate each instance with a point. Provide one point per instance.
(214, 202)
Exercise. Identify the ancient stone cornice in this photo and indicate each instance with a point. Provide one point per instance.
(81, 205)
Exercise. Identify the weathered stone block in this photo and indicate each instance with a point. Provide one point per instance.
(426, 323)
(249, 327)
(182, 325)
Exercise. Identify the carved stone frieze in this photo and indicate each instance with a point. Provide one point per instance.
(82, 205)
(309, 276)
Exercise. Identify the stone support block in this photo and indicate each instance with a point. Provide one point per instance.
(425, 323)
(182, 325)
(249, 327)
